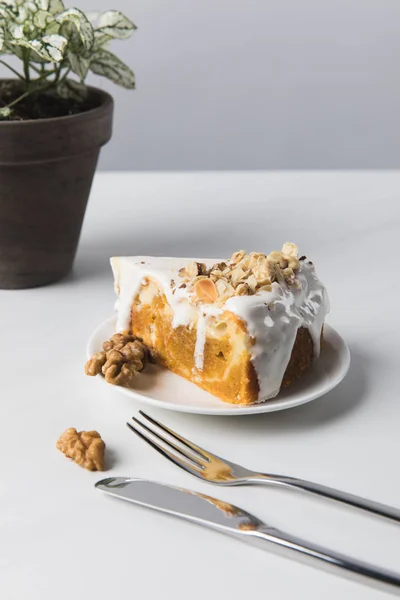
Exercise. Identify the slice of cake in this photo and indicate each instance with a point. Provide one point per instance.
(241, 328)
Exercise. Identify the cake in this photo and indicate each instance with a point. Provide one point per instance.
(241, 329)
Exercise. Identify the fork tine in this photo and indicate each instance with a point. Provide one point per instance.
(179, 451)
(193, 447)
(178, 462)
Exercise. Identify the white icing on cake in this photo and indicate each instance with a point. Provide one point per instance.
(272, 317)
(206, 313)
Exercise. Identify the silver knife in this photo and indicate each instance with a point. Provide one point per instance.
(224, 517)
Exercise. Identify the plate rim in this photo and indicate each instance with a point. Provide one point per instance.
(273, 405)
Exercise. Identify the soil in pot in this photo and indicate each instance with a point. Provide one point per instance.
(40, 105)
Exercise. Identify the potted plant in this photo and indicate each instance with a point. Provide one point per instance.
(52, 127)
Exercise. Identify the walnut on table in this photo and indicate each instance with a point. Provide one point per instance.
(123, 356)
(86, 448)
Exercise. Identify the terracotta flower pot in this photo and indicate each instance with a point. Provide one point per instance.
(46, 172)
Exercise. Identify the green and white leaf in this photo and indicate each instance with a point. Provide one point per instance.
(42, 4)
(16, 30)
(29, 30)
(50, 48)
(68, 88)
(93, 15)
(5, 12)
(55, 45)
(5, 112)
(42, 19)
(115, 24)
(30, 6)
(52, 26)
(100, 39)
(78, 20)
(44, 31)
(56, 7)
(22, 14)
(107, 64)
(79, 64)
(52, 6)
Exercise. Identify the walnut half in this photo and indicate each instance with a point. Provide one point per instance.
(95, 364)
(123, 356)
(86, 448)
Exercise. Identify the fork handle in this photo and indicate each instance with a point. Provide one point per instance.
(322, 490)
(328, 559)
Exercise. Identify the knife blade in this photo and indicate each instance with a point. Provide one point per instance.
(227, 518)
(179, 502)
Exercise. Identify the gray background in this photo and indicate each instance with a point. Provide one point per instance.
(257, 84)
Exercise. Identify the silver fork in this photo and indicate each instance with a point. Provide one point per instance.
(214, 469)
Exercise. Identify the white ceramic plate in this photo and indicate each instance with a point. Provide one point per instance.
(159, 387)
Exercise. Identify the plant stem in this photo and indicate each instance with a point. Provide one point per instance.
(24, 95)
(57, 75)
(39, 71)
(42, 70)
(64, 77)
(44, 76)
(26, 68)
(11, 69)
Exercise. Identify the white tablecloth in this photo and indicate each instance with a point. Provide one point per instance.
(62, 539)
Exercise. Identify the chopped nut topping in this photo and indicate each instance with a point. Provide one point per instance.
(206, 291)
(237, 256)
(238, 274)
(290, 249)
(244, 274)
(243, 289)
(216, 274)
(224, 287)
(225, 290)
(193, 269)
(289, 274)
(122, 358)
(220, 266)
(278, 258)
(252, 283)
(261, 272)
(254, 259)
(86, 448)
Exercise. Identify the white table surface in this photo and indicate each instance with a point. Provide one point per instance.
(60, 538)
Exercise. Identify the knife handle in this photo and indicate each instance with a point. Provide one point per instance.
(328, 559)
